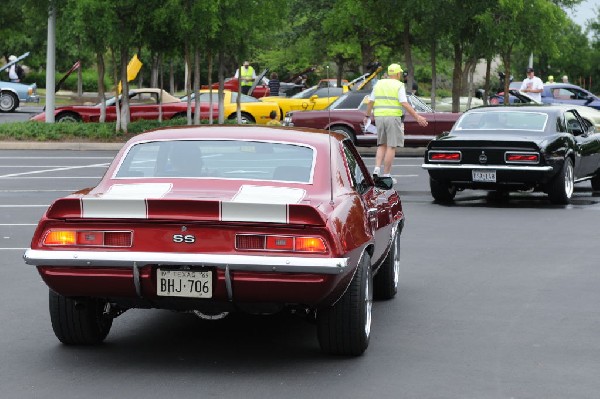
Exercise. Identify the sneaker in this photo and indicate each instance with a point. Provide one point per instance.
(376, 171)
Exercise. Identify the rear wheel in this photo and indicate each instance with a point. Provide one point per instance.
(79, 321)
(385, 282)
(596, 182)
(442, 192)
(246, 118)
(561, 187)
(345, 327)
(8, 101)
(68, 117)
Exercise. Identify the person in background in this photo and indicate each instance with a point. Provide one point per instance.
(415, 85)
(247, 77)
(550, 80)
(274, 84)
(387, 101)
(273, 121)
(15, 72)
(565, 79)
(533, 85)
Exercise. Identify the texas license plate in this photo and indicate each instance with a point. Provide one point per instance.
(484, 176)
(184, 283)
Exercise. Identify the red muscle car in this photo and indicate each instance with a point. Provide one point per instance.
(217, 219)
(345, 115)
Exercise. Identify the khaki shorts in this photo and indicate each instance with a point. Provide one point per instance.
(390, 131)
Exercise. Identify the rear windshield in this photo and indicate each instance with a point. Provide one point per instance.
(509, 120)
(222, 159)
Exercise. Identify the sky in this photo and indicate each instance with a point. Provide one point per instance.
(586, 10)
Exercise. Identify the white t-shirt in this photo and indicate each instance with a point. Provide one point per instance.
(534, 83)
(12, 72)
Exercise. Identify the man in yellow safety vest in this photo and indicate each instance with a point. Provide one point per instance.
(248, 77)
(387, 101)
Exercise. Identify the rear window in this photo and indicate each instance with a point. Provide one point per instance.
(221, 159)
(509, 120)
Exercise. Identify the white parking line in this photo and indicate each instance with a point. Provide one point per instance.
(13, 249)
(18, 224)
(54, 170)
(22, 206)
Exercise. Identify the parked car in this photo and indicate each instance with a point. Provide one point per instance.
(565, 93)
(13, 94)
(345, 115)
(314, 98)
(444, 104)
(590, 114)
(252, 110)
(217, 219)
(146, 104)
(509, 148)
(143, 103)
(259, 88)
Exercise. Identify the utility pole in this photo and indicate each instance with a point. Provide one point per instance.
(51, 62)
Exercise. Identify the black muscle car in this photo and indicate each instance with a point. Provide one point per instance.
(510, 148)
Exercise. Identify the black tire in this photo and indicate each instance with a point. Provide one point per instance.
(442, 192)
(78, 321)
(345, 131)
(180, 115)
(385, 282)
(560, 189)
(68, 117)
(596, 182)
(345, 327)
(246, 118)
(8, 101)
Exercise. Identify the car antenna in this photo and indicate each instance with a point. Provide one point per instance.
(329, 135)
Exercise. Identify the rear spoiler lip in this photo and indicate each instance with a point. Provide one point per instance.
(184, 210)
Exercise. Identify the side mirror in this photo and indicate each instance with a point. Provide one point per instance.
(384, 182)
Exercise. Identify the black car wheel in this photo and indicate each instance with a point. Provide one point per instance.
(561, 187)
(8, 101)
(245, 118)
(68, 117)
(441, 192)
(385, 282)
(79, 321)
(345, 327)
(596, 182)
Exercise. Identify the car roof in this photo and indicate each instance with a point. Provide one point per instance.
(314, 137)
(544, 108)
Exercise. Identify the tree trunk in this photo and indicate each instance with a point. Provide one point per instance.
(79, 82)
(188, 82)
(125, 102)
(221, 75)
(368, 54)
(456, 78)
(154, 71)
(197, 85)
(101, 88)
(210, 83)
(117, 103)
(488, 76)
(408, 57)
(172, 88)
(433, 73)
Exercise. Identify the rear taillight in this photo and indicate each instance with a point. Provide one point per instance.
(259, 242)
(522, 157)
(88, 238)
(445, 156)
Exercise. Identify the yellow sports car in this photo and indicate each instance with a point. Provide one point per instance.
(314, 98)
(253, 111)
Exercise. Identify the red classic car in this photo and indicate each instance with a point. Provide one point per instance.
(147, 103)
(259, 89)
(216, 219)
(345, 115)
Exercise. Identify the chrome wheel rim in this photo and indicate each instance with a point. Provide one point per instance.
(368, 303)
(7, 102)
(569, 180)
(396, 261)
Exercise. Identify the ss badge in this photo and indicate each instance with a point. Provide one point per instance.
(187, 239)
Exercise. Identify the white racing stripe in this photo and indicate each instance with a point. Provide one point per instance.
(113, 208)
(252, 212)
(269, 195)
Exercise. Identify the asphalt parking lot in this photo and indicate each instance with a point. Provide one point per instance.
(496, 300)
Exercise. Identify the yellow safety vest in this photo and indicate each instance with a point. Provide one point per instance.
(246, 73)
(386, 98)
